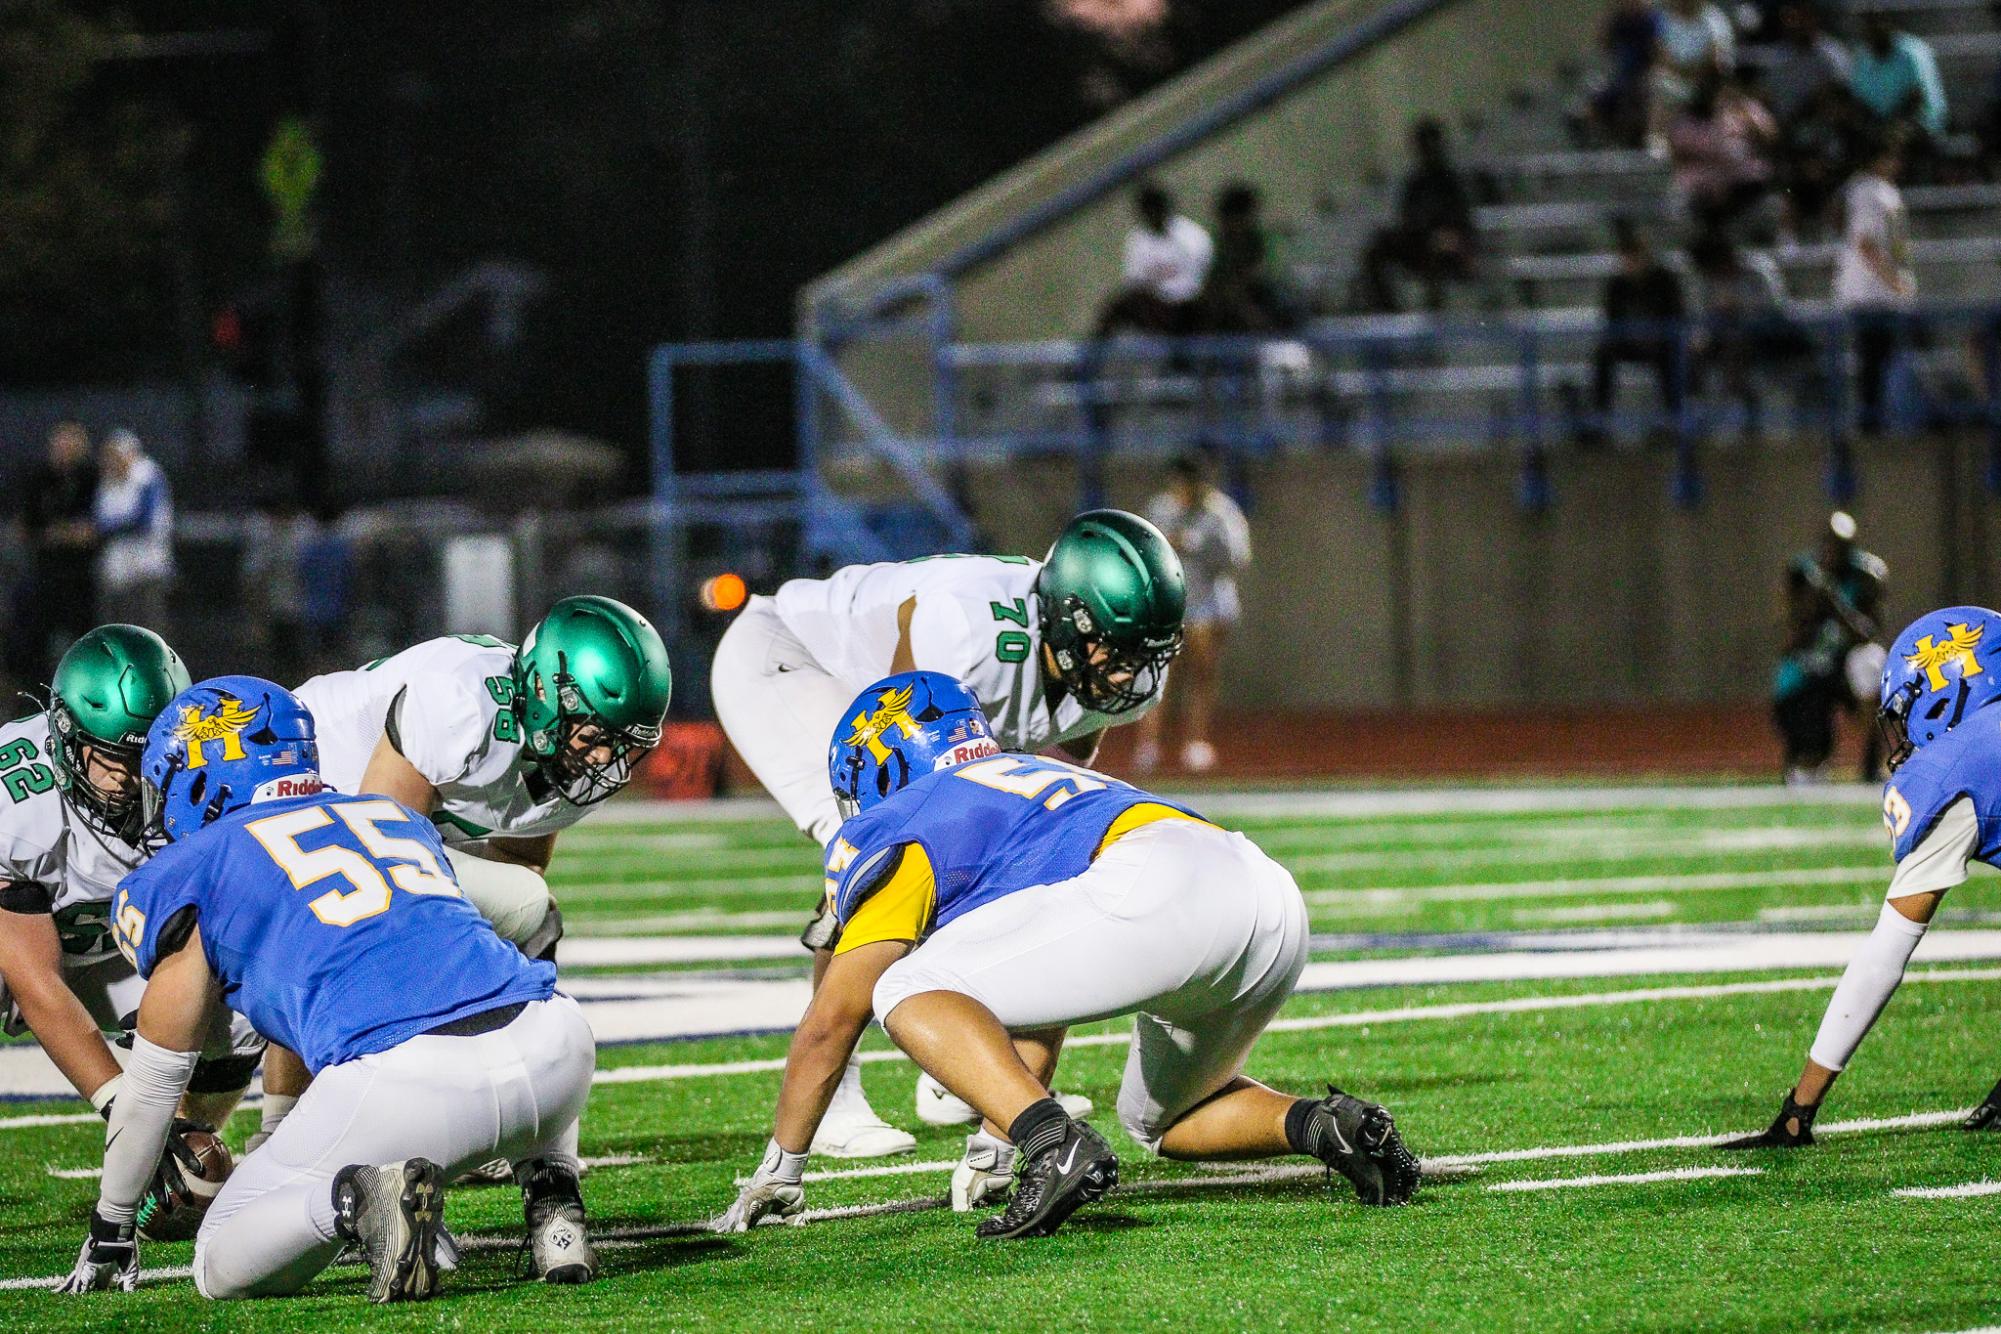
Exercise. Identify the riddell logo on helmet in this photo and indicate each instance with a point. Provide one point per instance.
(981, 749)
(291, 785)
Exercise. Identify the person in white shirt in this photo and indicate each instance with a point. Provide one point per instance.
(1210, 534)
(1873, 283)
(135, 520)
(1167, 258)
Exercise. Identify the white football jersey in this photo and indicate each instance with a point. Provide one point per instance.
(977, 618)
(453, 719)
(76, 868)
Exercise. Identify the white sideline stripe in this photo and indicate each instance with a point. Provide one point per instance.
(1619, 848)
(1629, 1178)
(590, 1165)
(1389, 896)
(1250, 1177)
(1966, 1191)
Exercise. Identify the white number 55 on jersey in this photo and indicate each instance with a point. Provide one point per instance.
(409, 863)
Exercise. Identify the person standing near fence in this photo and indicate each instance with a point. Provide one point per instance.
(135, 520)
(1873, 283)
(59, 602)
(1833, 654)
(1208, 531)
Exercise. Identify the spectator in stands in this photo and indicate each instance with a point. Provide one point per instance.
(1210, 534)
(135, 522)
(1832, 656)
(1721, 147)
(1643, 307)
(1895, 77)
(1167, 259)
(1243, 293)
(1805, 64)
(1696, 43)
(1631, 42)
(1873, 283)
(1745, 333)
(1432, 238)
(58, 600)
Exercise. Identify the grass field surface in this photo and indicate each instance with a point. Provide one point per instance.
(1564, 995)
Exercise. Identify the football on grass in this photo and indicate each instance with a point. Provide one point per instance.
(173, 1207)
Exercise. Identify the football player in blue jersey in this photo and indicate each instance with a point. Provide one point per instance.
(1943, 808)
(333, 923)
(987, 901)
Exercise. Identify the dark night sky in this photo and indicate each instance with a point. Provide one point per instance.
(678, 170)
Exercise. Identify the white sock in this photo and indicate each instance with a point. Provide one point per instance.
(1872, 976)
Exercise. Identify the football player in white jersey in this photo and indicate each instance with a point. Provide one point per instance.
(69, 831)
(504, 748)
(1056, 650)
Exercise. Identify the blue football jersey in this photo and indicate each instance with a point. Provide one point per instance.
(333, 923)
(1965, 762)
(990, 828)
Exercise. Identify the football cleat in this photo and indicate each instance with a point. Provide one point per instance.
(393, 1213)
(1359, 1140)
(939, 1106)
(559, 1247)
(851, 1129)
(1987, 1116)
(1791, 1129)
(1054, 1183)
(984, 1175)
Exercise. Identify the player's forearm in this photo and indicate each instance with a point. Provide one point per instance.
(820, 1051)
(68, 1034)
(155, 1078)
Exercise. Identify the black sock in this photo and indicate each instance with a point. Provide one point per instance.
(1299, 1126)
(1041, 1125)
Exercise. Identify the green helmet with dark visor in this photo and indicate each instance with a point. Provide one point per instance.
(591, 687)
(108, 689)
(1112, 597)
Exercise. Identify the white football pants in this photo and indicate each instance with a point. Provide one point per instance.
(1192, 930)
(514, 1093)
(779, 709)
(513, 898)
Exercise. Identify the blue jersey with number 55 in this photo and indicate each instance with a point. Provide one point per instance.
(333, 923)
(988, 829)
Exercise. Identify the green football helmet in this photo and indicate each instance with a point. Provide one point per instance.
(109, 688)
(1112, 596)
(591, 685)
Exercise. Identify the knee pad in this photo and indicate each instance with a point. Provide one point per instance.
(225, 1074)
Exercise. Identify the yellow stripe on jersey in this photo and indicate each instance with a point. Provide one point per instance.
(901, 910)
(1136, 817)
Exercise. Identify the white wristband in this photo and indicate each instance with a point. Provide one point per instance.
(106, 1091)
(787, 1167)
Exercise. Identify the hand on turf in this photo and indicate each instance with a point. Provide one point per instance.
(775, 1190)
(109, 1259)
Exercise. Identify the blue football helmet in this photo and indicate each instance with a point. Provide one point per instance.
(220, 745)
(900, 729)
(1934, 677)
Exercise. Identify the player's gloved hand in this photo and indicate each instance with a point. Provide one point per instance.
(774, 1191)
(170, 1178)
(109, 1259)
(985, 1175)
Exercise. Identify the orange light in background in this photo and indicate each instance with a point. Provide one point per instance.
(724, 592)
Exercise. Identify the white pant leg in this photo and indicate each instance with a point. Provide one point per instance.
(779, 709)
(1192, 928)
(515, 1093)
(510, 896)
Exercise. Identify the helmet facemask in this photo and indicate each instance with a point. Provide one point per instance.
(1893, 725)
(82, 762)
(592, 759)
(1103, 676)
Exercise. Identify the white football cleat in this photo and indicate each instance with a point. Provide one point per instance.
(984, 1175)
(939, 1106)
(851, 1129)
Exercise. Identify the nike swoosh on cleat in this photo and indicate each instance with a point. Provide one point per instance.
(1071, 1158)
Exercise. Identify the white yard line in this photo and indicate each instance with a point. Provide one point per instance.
(1967, 1191)
(1628, 1178)
(1392, 896)
(1620, 847)
(1595, 912)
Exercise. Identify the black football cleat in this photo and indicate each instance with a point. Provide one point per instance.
(1791, 1129)
(394, 1214)
(1359, 1140)
(1051, 1185)
(1987, 1116)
